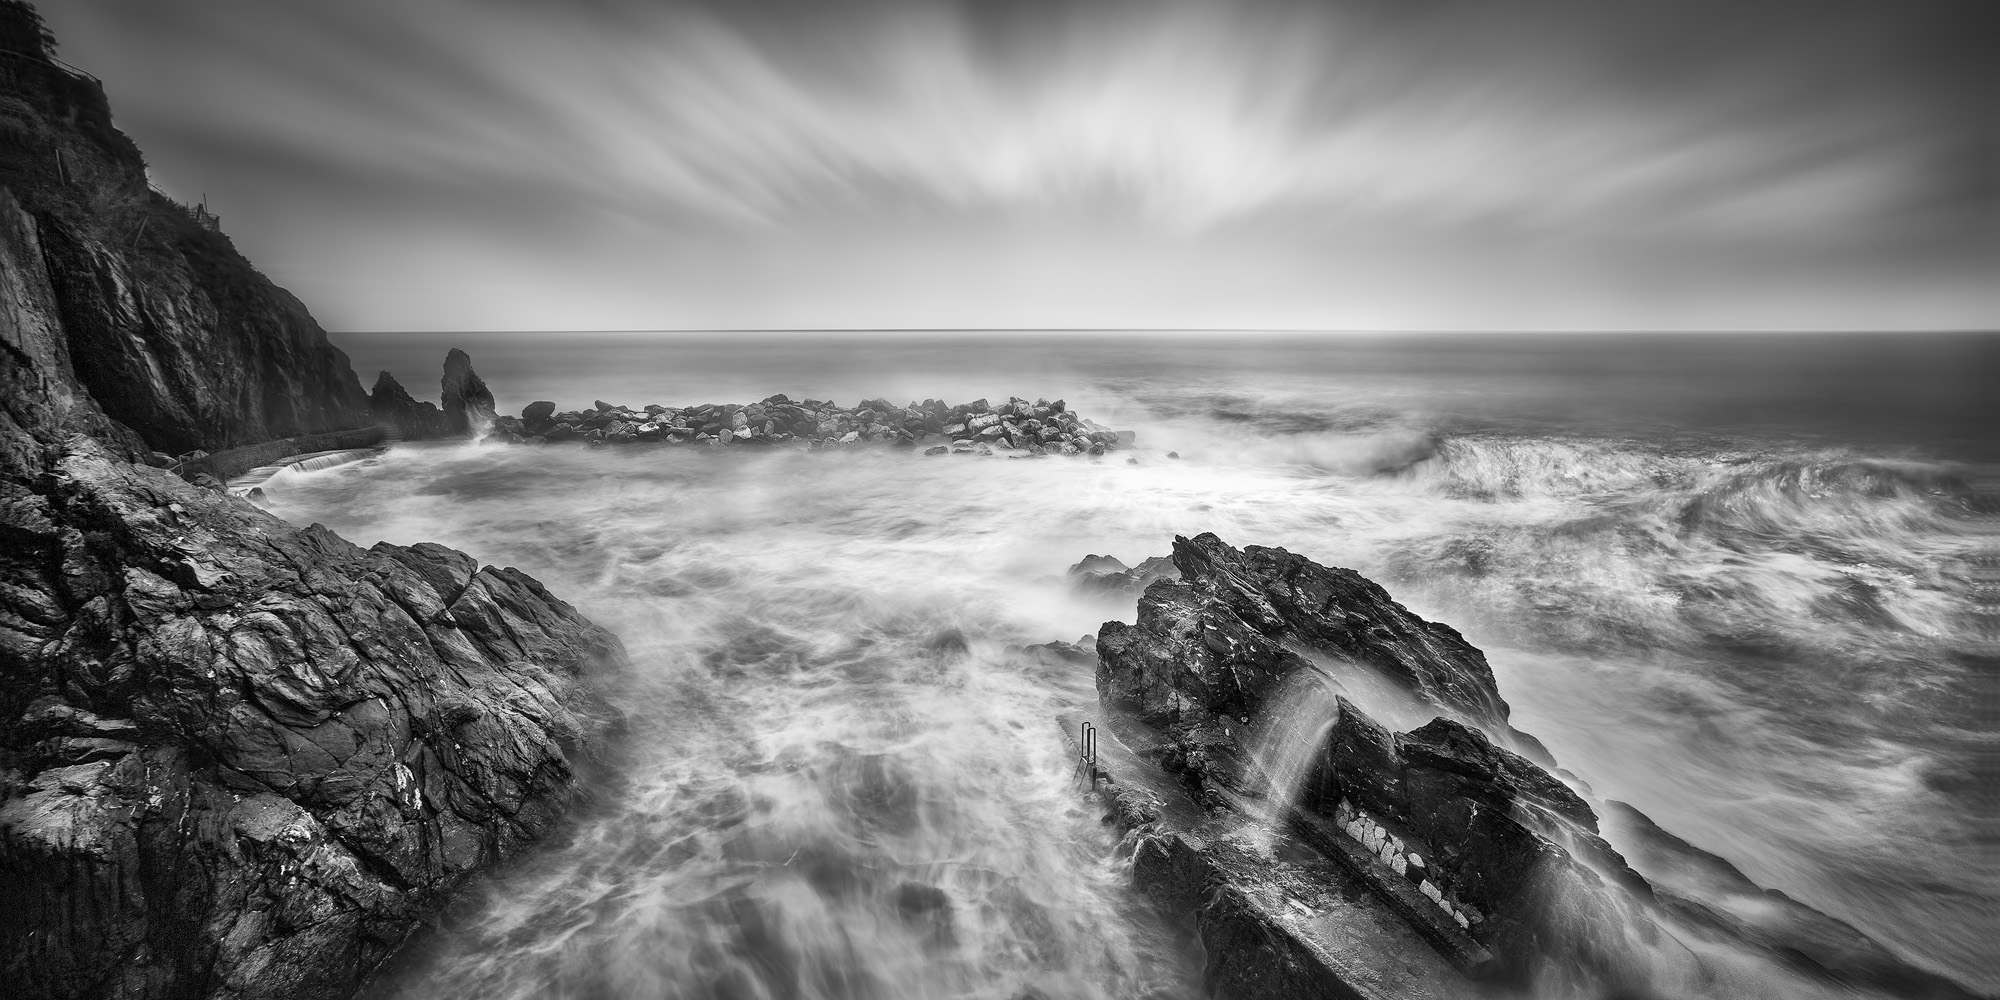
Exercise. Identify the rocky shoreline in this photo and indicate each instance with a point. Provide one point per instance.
(238, 758)
(1461, 831)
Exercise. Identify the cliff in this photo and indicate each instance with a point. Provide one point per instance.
(170, 330)
(237, 758)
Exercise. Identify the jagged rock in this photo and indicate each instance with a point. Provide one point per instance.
(1105, 575)
(245, 759)
(157, 320)
(415, 419)
(237, 758)
(1495, 832)
(1485, 852)
(468, 404)
(1221, 636)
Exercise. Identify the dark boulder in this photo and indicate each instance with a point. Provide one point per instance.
(414, 419)
(468, 404)
(538, 416)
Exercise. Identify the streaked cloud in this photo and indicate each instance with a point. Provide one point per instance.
(1463, 126)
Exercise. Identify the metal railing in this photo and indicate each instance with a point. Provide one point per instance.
(49, 60)
(1086, 754)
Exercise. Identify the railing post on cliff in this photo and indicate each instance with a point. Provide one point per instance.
(1086, 755)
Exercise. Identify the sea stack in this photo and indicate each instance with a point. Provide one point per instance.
(468, 404)
(413, 418)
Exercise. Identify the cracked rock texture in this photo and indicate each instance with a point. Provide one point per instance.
(241, 758)
(1226, 634)
(238, 758)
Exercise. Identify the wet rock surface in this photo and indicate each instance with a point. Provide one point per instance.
(1221, 638)
(1482, 852)
(239, 758)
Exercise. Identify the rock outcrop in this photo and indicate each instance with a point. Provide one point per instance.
(468, 404)
(412, 418)
(172, 332)
(1097, 575)
(237, 758)
(1222, 721)
(1228, 632)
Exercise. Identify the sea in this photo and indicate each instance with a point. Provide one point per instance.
(1727, 579)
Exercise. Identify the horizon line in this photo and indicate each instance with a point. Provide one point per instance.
(1780, 331)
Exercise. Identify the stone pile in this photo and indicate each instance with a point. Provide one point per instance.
(1037, 427)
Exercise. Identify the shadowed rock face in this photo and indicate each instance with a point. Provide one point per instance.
(468, 404)
(194, 349)
(1222, 636)
(41, 400)
(1495, 837)
(394, 407)
(239, 758)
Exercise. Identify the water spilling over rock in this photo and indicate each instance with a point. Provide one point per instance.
(1489, 857)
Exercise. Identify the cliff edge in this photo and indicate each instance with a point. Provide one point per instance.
(237, 758)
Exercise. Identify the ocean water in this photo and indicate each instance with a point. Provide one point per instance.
(1724, 579)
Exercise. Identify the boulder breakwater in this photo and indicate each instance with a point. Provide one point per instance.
(1037, 427)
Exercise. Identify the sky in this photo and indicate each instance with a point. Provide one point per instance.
(1374, 165)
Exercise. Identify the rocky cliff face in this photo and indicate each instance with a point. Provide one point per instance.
(194, 349)
(237, 758)
(42, 402)
(171, 330)
(242, 758)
